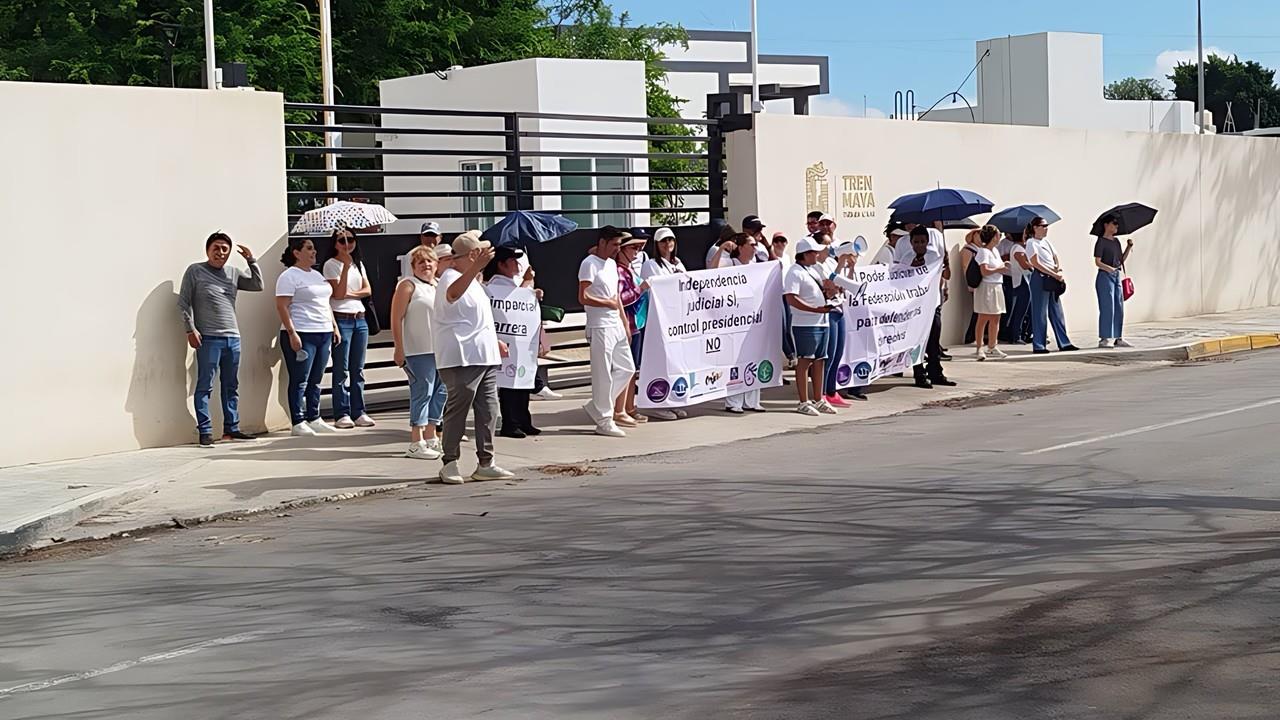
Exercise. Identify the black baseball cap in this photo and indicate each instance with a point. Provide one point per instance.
(752, 223)
(507, 252)
(640, 233)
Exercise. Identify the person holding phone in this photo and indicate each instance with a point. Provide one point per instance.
(412, 307)
(207, 301)
(802, 288)
(346, 274)
(308, 331)
(1110, 258)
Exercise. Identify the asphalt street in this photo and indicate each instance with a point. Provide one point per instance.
(1109, 551)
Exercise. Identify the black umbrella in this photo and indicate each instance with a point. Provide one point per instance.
(1133, 217)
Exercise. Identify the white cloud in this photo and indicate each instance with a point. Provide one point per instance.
(1167, 60)
(833, 106)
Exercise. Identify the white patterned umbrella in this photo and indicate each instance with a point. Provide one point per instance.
(354, 215)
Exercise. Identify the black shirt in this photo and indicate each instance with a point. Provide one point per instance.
(1108, 251)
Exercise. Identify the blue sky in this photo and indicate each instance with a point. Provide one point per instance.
(928, 45)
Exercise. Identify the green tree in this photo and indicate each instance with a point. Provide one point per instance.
(1132, 88)
(1242, 83)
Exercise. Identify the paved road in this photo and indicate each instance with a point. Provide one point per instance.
(944, 564)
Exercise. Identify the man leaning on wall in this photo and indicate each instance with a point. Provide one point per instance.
(207, 301)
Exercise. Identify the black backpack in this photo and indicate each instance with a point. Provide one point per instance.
(973, 273)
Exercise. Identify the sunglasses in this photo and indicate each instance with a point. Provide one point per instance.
(346, 240)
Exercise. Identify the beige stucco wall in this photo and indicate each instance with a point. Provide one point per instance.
(1214, 247)
(107, 195)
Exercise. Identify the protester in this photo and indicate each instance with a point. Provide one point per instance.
(1018, 281)
(428, 236)
(1110, 259)
(207, 301)
(308, 332)
(346, 274)
(468, 356)
(741, 250)
(827, 226)
(836, 299)
(811, 222)
(893, 234)
(968, 259)
(444, 258)
(988, 297)
(1047, 287)
(412, 307)
(782, 252)
(754, 226)
(641, 257)
(612, 368)
(726, 234)
(926, 247)
(633, 293)
(506, 270)
(802, 288)
(664, 262)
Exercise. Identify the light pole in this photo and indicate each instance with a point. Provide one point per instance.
(1200, 68)
(756, 104)
(210, 61)
(326, 95)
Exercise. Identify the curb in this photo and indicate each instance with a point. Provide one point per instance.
(1197, 350)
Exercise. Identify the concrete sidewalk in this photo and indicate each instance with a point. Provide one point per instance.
(101, 496)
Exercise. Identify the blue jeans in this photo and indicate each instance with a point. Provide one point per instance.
(426, 391)
(1110, 306)
(1019, 305)
(1046, 309)
(788, 341)
(835, 351)
(305, 373)
(221, 354)
(348, 359)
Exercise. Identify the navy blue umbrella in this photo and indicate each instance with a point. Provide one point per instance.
(1016, 219)
(523, 227)
(942, 204)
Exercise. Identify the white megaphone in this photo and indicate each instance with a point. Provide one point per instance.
(860, 245)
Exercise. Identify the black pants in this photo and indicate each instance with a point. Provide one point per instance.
(540, 379)
(514, 407)
(932, 351)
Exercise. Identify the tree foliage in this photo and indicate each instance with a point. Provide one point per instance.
(1132, 88)
(1242, 83)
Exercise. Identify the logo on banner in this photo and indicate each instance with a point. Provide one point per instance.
(520, 371)
(817, 189)
(680, 387)
(510, 371)
(733, 374)
(843, 374)
(862, 371)
(751, 374)
(765, 371)
(713, 378)
(658, 390)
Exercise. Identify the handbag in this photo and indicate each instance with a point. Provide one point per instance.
(1126, 287)
(370, 310)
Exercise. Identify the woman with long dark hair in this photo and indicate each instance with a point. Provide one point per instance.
(307, 332)
(346, 274)
(1047, 287)
(664, 262)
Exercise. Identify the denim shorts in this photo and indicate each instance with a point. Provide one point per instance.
(811, 342)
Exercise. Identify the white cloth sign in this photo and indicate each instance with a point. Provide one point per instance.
(712, 333)
(516, 318)
(887, 324)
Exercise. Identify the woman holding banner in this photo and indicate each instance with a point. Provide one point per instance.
(664, 262)
(513, 404)
(739, 250)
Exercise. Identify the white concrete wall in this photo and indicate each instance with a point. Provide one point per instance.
(108, 194)
(1214, 246)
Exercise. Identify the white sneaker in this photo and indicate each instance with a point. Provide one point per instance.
(610, 429)
(1121, 342)
(982, 354)
(434, 444)
(546, 393)
(491, 472)
(365, 421)
(320, 426)
(680, 413)
(465, 438)
(450, 475)
(807, 408)
(825, 408)
(661, 414)
(1104, 343)
(302, 430)
(997, 353)
(733, 410)
(344, 423)
(422, 451)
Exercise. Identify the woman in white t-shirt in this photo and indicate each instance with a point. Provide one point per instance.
(307, 332)
(988, 297)
(1047, 286)
(412, 307)
(664, 262)
(346, 274)
(740, 250)
(1018, 299)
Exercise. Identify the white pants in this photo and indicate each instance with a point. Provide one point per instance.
(748, 399)
(611, 369)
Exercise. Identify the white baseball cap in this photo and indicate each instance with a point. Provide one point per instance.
(826, 218)
(808, 244)
(899, 232)
(663, 233)
(444, 250)
(430, 228)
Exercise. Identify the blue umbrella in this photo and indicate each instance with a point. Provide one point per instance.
(1016, 219)
(942, 204)
(522, 228)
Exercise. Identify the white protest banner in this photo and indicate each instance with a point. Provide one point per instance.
(887, 324)
(711, 334)
(516, 317)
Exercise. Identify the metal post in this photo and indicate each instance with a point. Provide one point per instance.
(210, 61)
(756, 104)
(515, 171)
(1200, 67)
(326, 93)
(715, 172)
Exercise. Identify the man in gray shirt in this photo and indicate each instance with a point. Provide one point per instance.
(207, 301)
